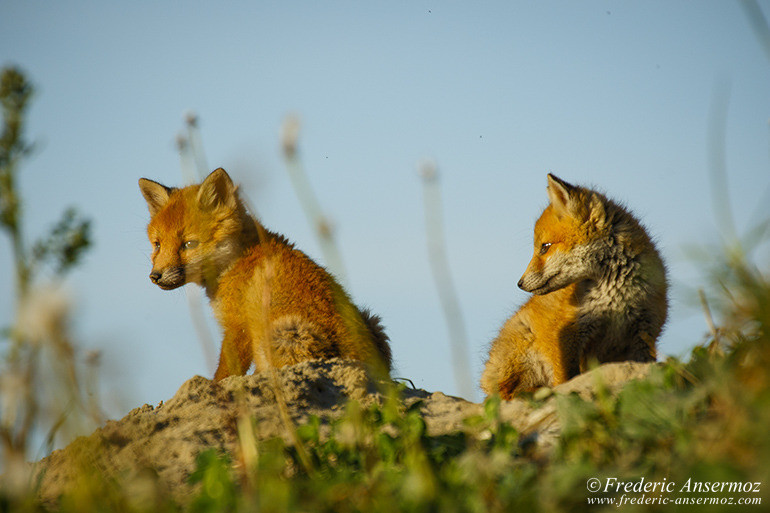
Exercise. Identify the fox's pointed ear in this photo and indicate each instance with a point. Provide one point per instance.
(156, 194)
(217, 190)
(596, 213)
(560, 193)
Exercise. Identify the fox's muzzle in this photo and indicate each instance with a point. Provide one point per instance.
(168, 279)
(537, 283)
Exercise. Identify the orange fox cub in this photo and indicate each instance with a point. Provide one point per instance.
(274, 304)
(599, 290)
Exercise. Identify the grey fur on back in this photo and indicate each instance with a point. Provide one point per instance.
(623, 309)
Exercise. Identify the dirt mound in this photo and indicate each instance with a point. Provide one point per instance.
(203, 414)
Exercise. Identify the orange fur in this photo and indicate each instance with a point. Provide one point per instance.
(274, 304)
(599, 290)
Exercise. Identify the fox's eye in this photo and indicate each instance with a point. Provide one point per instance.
(156, 245)
(544, 248)
(190, 244)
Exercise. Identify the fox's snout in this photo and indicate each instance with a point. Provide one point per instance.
(530, 283)
(532, 279)
(169, 278)
(539, 280)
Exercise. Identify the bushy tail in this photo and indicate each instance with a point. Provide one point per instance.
(381, 340)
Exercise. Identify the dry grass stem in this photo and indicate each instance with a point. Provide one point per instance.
(442, 276)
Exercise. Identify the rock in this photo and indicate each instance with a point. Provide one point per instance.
(204, 414)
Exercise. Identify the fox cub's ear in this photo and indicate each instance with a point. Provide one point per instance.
(217, 190)
(561, 195)
(155, 194)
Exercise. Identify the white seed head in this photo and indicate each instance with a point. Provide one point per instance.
(290, 134)
(428, 170)
(191, 118)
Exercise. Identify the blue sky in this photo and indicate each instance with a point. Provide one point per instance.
(610, 94)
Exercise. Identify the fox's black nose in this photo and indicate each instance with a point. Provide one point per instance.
(155, 276)
(520, 284)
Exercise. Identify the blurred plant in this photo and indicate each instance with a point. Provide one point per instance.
(41, 389)
(324, 228)
(195, 147)
(70, 237)
(442, 276)
(758, 24)
(734, 284)
(194, 170)
(15, 93)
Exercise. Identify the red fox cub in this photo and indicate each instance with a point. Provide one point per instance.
(274, 304)
(599, 290)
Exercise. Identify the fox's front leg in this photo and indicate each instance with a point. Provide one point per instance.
(236, 355)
